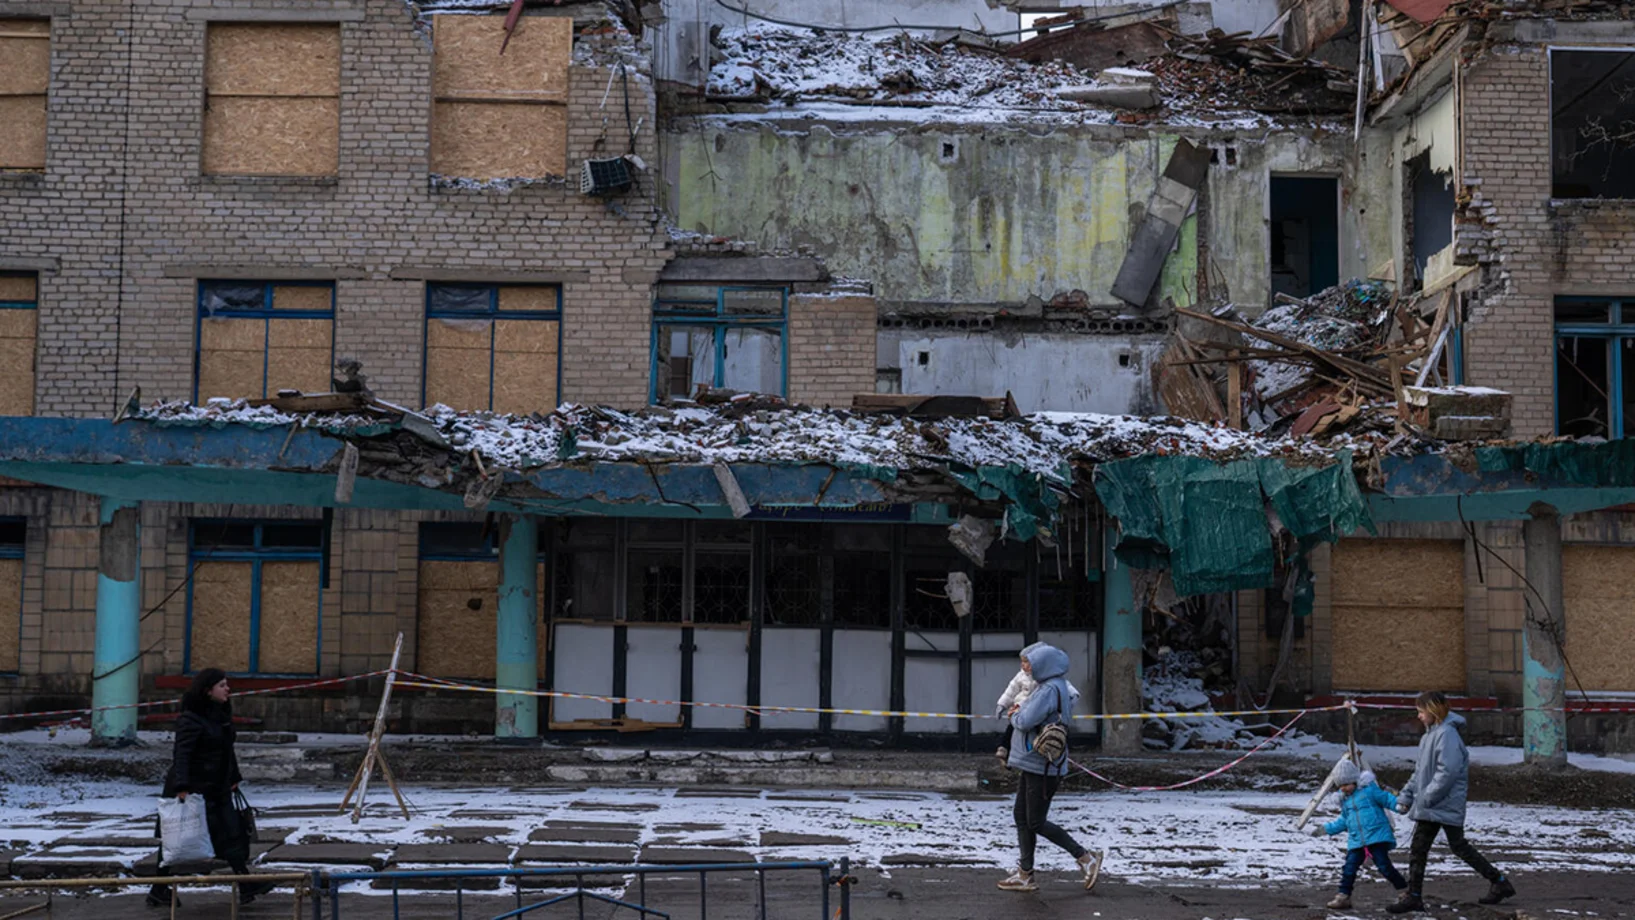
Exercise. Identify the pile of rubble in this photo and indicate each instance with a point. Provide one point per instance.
(1356, 357)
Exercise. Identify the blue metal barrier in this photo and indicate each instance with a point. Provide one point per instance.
(332, 882)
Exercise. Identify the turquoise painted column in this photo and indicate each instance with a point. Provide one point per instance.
(1120, 653)
(1544, 633)
(516, 664)
(116, 664)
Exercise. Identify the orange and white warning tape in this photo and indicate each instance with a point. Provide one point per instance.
(154, 704)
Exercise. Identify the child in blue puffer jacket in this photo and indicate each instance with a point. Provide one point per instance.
(1365, 818)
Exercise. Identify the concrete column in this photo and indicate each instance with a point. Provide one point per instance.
(1543, 679)
(1120, 654)
(116, 665)
(516, 664)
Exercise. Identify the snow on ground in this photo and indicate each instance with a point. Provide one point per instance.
(1232, 838)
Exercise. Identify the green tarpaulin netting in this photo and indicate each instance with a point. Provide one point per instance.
(1210, 523)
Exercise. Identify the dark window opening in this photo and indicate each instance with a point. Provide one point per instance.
(1595, 368)
(1305, 234)
(862, 576)
(1433, 211)
(12, 536)
(583, 571)
(1592, 124)
(793, 593)
(461, 540)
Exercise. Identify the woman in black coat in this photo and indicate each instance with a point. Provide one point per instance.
(205, 764)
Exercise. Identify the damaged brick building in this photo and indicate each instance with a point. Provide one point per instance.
(803, 213)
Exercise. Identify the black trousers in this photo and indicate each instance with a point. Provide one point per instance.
(1425, 834)
(1033, 795)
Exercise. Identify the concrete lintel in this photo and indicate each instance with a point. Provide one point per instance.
(418, 273)
(1601, 32)
(271, 14)
(756, 269)
(46, 266)
(24, 10)
(267, 272)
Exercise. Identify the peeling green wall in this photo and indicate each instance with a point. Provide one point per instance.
(969, 214)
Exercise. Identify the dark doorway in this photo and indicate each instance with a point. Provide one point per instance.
(1305, 232)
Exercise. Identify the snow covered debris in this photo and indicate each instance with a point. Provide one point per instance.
(1045, 444)
(1169, 686)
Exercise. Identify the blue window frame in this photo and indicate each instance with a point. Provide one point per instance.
(283, 329)
(13, 533)
(1595, 367)
(515, 329)
(733, 337)
(252, 546)
(19, 301)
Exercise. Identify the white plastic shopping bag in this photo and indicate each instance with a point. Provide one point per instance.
(184, 836)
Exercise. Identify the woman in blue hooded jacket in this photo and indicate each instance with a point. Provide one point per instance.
(1039, 778)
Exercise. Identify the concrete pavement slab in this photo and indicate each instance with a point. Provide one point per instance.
(466, 833)
(669, 856)
(550, 834)
(375, 856)
(589, 855)
(784, 839)
(445, 854)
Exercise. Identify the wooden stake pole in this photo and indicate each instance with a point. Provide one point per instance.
(373, 755)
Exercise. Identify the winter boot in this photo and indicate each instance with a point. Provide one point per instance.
(1498, 891)
(1019, 881)
(1407, 904)
(161, 896)
(1340, 902)
(1090, 865)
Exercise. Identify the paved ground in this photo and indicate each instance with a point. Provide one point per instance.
(1191, 855)
(946, 894)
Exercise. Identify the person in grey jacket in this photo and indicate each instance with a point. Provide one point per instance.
(1434, 797)
(1038, 778)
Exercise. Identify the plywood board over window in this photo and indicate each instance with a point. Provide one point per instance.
(500, 117)
(525, 365)
(11, 610)
(1598, 588)
(272, 99)
(288, 641)
(219, 618)
(459, 601)
(457, 362)
(232, 357)
(18, 327)
(25, 81)
(1399, 615)
(298, 353)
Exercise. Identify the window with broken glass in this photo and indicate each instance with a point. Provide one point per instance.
(493, 347)
(1592, 123)
(1595, 367)
(731, 337)
(255, 338)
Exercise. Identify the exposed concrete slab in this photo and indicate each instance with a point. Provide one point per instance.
(711, 842)
(674, 756)
(332, 854)
(114, 841)
(614, 755)
(676, 856)
(557, 853)
(6, 856)
(451, 854)
(685, 827)
(930, 859)
(584, 835)
(783, 839)
(444, 884)
(466, 833)
(75, 862)
(730, 792)
(612, 806)
(486, 814)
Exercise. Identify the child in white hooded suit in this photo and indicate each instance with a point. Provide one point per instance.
(1016, 693)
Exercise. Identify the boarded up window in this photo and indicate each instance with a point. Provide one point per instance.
(272, 99)
(1598, 585)
(18, 300)
(255, 603)
(1399, 615)
(499, 117)
(457, 626)
(493, 347)
(12, 531)
(25, 79)
(256, 338)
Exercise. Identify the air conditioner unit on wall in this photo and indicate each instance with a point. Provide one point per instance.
(606, 177)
